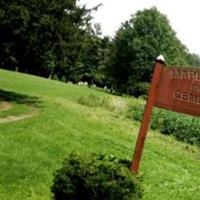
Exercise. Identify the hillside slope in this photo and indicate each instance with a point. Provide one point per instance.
(66, 117)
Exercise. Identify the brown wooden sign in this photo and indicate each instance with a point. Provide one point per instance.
(179, 90)
(172, 88)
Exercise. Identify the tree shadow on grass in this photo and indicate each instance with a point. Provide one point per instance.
(19, 98)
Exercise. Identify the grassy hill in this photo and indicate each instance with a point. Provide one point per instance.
(42, 121)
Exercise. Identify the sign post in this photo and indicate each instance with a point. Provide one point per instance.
(146, 118)
(172, 88)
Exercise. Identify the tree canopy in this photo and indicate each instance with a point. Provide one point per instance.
(136, 45)
(55, 39)
(39, 36)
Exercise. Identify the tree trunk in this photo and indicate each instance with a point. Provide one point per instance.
(51, 74)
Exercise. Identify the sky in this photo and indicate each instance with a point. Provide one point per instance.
(184, 16)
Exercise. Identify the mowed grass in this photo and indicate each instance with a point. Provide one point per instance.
(74, 118)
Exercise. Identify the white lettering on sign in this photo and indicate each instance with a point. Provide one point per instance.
(178, 74)
(186, 97)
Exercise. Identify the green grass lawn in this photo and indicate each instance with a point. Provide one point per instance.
(71, 117)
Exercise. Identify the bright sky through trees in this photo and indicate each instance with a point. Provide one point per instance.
(183, 15)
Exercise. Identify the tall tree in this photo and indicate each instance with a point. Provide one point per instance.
(93, 60)
(41, 36)
(137, 43)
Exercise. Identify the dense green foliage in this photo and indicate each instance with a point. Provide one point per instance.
(55, 39)
(41, 36)
(136, 45)
(95, 178)
(92, 63)
(51, 38)
(193, 59)
(184, 127)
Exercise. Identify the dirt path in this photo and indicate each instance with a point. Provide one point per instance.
(5, 106)
(12, 118)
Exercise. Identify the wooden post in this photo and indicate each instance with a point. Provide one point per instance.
(146, 118)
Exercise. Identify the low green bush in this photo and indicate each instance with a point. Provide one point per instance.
(55, 77)
(63, 79)
(95, 178)
(184, 127)
(136, 112)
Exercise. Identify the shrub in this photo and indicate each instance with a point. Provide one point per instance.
(55, 77)
(63, 79)
(184, 127)
(137, 112)
(95, 178)
(158, 117)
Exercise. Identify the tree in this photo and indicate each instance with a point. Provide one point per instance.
(41, 36)
(136, 45)
(92, 63)
(193, 60)
(93, 58)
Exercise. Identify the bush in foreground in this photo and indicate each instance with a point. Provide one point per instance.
(95, 178)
